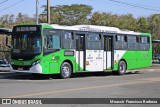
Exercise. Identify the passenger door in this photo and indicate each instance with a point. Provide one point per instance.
(108, 53)
(80, 51)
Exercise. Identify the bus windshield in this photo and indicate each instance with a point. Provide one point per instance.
(27, 43)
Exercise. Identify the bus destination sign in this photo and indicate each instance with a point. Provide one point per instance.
(26, 29)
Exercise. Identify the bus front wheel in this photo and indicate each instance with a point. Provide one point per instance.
(121, 68)
(66, 70)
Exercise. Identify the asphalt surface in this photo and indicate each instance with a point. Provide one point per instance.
(144, 84)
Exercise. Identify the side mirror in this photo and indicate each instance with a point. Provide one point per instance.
(7, 42)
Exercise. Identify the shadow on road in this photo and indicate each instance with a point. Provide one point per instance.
(26, 76)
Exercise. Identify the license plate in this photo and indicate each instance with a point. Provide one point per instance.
(20, 68)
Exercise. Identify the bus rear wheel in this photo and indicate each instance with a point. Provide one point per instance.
(66, 70)
(122, 68)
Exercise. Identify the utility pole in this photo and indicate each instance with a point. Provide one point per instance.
(48, 11)
(37, 12)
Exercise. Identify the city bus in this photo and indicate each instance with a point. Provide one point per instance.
(64, 50)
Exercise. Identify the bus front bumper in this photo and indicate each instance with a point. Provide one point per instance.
(34, 69)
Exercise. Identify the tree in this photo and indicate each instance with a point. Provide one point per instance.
(24, 19)
(154, 27)
(68, 14)
(4, 19)
(143, 24)
(103, 19)
(107, 19)
(127, 22)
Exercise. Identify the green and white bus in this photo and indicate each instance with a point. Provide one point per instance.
(64, 50)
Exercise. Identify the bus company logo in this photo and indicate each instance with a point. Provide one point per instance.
(6, 101)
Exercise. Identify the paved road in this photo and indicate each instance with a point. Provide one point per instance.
(140, 85)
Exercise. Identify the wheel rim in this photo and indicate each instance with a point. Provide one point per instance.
(65, 71)
(122, 68)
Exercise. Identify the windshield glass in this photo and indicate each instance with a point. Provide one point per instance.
(27, 42)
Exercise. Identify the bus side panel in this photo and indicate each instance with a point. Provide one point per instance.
(54, 67)
(134, 59)
(94, 60)
(49, 65)
(128, 56)
(118, 55)
(52, 62)
(144, 59)
(131, 58)
(79, 60)
(107, 60)
(45, 67)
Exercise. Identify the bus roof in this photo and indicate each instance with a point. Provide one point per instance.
(95, 28)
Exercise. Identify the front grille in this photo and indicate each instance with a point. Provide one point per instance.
(15, 67)
(22, 56)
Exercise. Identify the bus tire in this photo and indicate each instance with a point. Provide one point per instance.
(122, 68)
(66, 70)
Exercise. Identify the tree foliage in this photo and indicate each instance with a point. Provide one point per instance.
(69, 14)
(107, 19)
(9, 21)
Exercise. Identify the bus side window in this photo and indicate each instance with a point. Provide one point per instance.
(94, 41)
(145, 43)
(121, 42)
(52, 42)
(68, 40)
(132, 42)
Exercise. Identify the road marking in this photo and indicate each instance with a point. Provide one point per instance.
(140, 81)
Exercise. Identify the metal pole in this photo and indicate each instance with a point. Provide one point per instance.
(37, 12)
(48, 11)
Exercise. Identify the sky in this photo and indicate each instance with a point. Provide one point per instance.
(149, 7)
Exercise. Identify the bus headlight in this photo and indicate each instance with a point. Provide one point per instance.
(36, 62)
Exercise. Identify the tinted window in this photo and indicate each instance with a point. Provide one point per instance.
(94, 41)
(144, 40)
(68, 40)
(132, 42)
(144, 43)
(121, 42)
(122, 38)
(54, 42)
(94, 37)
